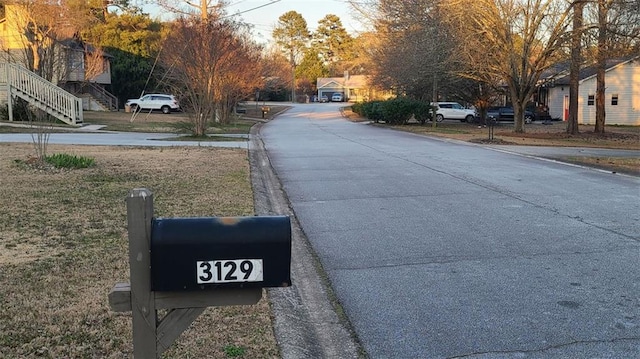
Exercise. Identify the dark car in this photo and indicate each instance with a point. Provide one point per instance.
(540, 113)
(507, 114)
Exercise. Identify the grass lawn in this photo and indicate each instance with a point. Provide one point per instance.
(64, 245)
(537, 134)
(177, 122)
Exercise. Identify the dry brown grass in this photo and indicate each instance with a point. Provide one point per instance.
(64, 245)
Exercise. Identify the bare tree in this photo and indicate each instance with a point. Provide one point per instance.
(206, 60)
(411, 54)
(618, 21)
(239, 78)
(37, 29)
(275, 72)
(576, 60)
(206, 8)
(40, 30)
(513, 41)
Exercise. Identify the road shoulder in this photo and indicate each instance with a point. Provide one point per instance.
(306, 322)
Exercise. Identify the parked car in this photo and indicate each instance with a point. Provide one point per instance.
(162, 102)
(324, 98)
(506, 114)
(453, 111)
(336, 97)
(540, 113)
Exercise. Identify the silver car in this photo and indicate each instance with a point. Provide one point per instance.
(162, 102)
(453, 111)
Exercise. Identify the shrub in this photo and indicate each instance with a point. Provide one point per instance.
(357, 108)
(63, 160)
(423, 111)
(398, 111)
(21, 111)
(373, 111)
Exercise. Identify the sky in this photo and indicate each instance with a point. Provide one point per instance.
(263, 14)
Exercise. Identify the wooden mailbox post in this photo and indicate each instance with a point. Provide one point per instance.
(207, 268)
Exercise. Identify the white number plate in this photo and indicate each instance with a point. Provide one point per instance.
(229, 271)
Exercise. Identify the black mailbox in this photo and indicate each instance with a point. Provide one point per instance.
(220, 252)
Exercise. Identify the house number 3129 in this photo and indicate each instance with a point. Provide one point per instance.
(229, 271)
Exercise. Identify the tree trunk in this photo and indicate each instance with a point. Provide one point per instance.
(35, 52)
(601, 66)
(574, 76)
(518, 116)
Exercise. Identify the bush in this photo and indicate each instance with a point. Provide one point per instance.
(21, 111)
(372, 110)
(357, 108)
(395, 111)
(398, 111)
(63, 160)
(423, 111)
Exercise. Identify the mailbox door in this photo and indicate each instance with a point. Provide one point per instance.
(220, 252)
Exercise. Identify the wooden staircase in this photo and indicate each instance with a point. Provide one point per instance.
(38, 92)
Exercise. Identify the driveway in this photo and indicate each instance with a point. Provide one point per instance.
(442, 249)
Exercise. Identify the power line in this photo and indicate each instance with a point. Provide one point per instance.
(254, 8)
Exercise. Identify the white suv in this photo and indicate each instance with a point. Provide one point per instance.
(154, 101)
(453, 111)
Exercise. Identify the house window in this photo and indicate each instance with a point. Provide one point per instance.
(590, 100)
(614, 99)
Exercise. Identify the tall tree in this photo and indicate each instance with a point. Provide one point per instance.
(515, 41)
(134, 40)
(363, 50)
(334, 44)
(292, 36)
(310, 69)
(617, 20)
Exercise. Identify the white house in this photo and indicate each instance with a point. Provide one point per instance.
(622, 94)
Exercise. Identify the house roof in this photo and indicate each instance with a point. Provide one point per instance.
(76, 45)
(555, 70)
(590, 71)
(353, 81)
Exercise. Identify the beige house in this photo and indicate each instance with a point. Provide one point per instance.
(622, 95)
(354, 88)
(80, 69)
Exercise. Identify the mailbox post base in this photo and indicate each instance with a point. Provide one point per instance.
(120, 298)
(184, 308)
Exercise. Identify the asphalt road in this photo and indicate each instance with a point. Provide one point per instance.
(442, 249)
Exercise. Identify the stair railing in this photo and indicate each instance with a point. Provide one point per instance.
(41, 93)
